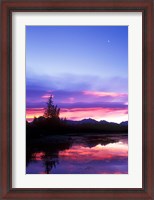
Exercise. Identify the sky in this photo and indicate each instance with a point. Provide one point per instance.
(85, 68)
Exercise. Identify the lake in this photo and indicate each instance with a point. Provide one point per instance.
(76, 154)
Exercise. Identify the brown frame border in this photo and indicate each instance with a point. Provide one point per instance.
(9, 6)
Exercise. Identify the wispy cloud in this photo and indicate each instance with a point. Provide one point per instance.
(77, 97)
(104, 94)
(46, 96)
(117, 105)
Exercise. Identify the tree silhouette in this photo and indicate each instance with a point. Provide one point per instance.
(51, 111)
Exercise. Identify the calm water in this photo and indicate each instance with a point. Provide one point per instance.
(99, 154)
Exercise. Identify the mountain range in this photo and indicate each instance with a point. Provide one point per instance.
(93, 121)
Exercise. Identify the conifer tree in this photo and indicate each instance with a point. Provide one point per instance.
(51, 111)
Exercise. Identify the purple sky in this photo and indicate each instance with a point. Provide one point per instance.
(85, 68)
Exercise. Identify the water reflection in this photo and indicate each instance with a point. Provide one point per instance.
(99, 154)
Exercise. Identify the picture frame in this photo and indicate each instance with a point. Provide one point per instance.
(147, 190)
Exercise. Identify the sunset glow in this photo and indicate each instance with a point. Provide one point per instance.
(94, 113)
(84, 68)
(34, 112)
(83, 113)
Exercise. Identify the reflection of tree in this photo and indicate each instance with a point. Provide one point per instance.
(50, 148)
(49, 163)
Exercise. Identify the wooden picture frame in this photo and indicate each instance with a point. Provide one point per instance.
(144, 6)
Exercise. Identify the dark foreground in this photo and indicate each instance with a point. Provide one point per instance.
(78, 154)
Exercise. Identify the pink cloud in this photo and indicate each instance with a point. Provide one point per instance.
(31, 112)
(104, 94)
(109, 114)
(99, 113)
(45, 96)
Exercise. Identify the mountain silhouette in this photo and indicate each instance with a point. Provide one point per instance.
(93, 121)
(125, 123)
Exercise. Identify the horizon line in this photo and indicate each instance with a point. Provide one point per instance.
(79, 120)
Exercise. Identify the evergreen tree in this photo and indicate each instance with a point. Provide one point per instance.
(51, 111)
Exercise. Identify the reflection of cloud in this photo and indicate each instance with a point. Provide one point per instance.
(109, 159)
(38, 155)
(98, 152)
